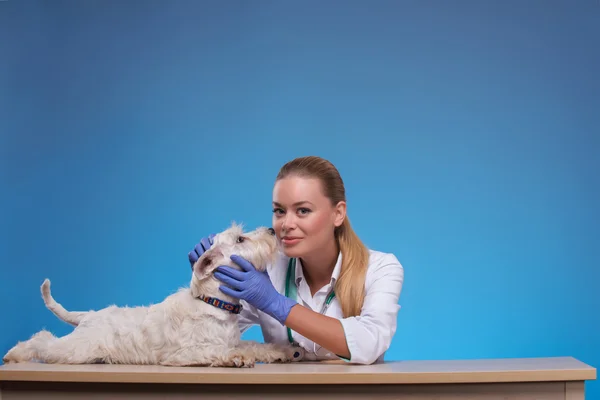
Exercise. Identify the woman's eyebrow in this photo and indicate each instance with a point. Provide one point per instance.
(295, 204)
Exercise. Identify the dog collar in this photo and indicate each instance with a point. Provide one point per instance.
(224, 305)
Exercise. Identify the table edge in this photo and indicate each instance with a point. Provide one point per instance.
(332, 378)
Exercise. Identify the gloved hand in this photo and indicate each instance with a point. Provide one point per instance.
(255, 287)
(200, 248)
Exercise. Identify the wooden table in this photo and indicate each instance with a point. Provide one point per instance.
(519, 379)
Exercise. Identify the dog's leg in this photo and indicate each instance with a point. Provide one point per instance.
(270, 352)
(210, 357)
(47, 348)
(75, 348)
(70, 317)
(29, 350)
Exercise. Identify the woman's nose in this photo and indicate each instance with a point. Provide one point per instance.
(286, 222)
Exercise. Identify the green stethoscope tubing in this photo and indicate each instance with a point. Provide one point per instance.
(291, 291)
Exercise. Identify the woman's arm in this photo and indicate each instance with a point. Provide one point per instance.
(257, 289)
(359, 339)
(364, 338)
(325, 331)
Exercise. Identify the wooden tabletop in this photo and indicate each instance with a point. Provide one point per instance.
(337, 372)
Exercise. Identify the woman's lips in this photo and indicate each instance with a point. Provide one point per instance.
(290, 240)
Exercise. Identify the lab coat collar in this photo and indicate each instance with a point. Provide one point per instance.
(299, 275)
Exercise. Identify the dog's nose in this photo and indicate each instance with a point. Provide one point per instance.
(271, 231)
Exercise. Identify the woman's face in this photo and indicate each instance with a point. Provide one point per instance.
(303, 218)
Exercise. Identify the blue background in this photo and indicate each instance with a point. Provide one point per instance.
(467, 134)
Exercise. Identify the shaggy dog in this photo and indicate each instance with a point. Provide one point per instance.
(195, 326)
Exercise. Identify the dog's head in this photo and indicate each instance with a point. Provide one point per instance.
(258, 246)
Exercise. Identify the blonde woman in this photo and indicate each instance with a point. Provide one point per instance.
(327, 292)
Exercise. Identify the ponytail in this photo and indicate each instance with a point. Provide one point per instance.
(350, 286)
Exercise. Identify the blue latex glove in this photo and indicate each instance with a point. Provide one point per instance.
(200, 248)
(255, 287)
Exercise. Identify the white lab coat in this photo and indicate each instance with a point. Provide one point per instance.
(368, 335)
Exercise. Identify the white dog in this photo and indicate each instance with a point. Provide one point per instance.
(196, 326)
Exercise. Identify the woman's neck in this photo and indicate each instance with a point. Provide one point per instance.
(319, 265)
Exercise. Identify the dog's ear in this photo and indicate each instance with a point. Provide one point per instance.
(210, 260)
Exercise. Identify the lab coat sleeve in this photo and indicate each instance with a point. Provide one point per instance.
(248, 317)
(370, 334)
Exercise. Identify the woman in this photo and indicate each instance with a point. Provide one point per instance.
(327, 292)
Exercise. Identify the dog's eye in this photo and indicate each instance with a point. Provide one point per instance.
(240, 239)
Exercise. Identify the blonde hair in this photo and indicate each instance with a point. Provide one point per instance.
(350, 286)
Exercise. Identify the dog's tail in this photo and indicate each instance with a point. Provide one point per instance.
(70, 317)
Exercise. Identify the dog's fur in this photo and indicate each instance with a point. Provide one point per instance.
(180, 331)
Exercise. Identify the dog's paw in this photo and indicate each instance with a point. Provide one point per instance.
(14, 355)
(243, 362)
(236, 361)
(7, 360)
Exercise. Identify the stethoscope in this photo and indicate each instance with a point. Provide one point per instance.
(292, 292)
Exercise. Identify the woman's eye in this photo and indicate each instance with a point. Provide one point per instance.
(278, 211)
(240, 239)
(303, 210)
